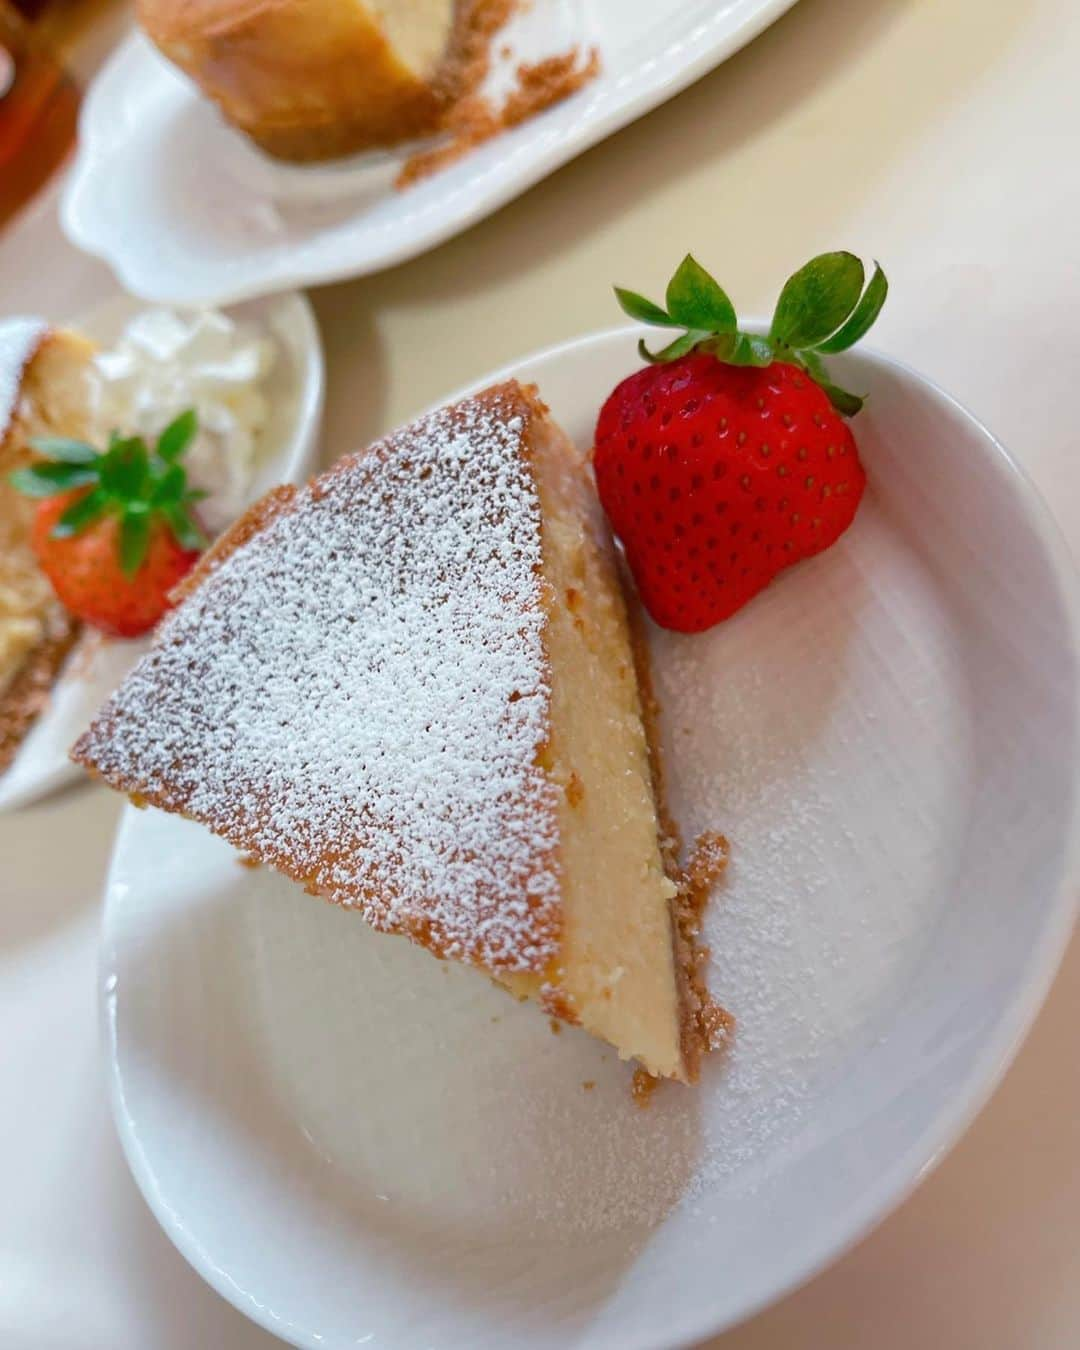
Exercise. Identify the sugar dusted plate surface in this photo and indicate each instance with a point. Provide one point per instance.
(358, 1145)
(186, 211)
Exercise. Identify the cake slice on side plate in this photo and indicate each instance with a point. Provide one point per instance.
(411, 687)
(44, 391)
(325, 78)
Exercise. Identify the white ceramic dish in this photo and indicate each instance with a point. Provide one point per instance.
(358, 1145)
(287, 454)
(186, 211)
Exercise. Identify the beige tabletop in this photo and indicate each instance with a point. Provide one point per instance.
(937, 135)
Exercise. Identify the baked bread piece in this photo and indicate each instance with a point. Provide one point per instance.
(410, 687)
(44, 391)
(318, 79)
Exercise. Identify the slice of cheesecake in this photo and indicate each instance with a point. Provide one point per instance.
(44, 391)
(411, 687)
(325, 78)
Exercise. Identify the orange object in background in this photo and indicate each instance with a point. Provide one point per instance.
(39, 105)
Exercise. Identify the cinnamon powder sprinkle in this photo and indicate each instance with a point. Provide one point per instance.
(468, 59)
(473, 119)
(546, 83)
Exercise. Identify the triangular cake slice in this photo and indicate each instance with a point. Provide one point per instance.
(411, 687)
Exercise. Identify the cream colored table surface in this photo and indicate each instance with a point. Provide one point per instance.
(942, 136)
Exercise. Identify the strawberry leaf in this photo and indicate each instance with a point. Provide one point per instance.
(134, 540)
(862, 317)
(742, 349)
(140, 487)
(817, 299)
(64, 450)
(844, 402)
(673, 350)
(46, 480)
(170, 486)
(125, 469)
(644, 310)
(89, 508)
(177, 436)
(695, 299)
(823, 308)
(188, 535)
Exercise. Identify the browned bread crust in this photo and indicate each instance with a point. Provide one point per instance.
(26, 696)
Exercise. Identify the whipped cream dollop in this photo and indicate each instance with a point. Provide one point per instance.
(165, 362)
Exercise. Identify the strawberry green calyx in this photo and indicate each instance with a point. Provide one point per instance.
(128, 480)
(824, 308)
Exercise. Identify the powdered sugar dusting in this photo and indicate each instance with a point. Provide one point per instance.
(358, 694)
(19, 340)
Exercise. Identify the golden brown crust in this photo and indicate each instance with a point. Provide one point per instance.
(26, 696)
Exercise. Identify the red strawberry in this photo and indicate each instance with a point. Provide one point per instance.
(726, 459)
(114, 533)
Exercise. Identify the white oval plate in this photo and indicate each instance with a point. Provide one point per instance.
(358, 1145)
(185, 210)
(287, 454)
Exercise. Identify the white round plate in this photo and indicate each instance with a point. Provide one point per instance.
(358, 1145)
(287, 454)
(185, 210)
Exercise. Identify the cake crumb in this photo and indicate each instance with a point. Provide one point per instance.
(548, 82)
(588, 1085)
(718, 1025)
(642, 1087)
(575, 790)
(714, 1025)
(249, 861)
(556, 1026)
(558, 1003)
(473, 119)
